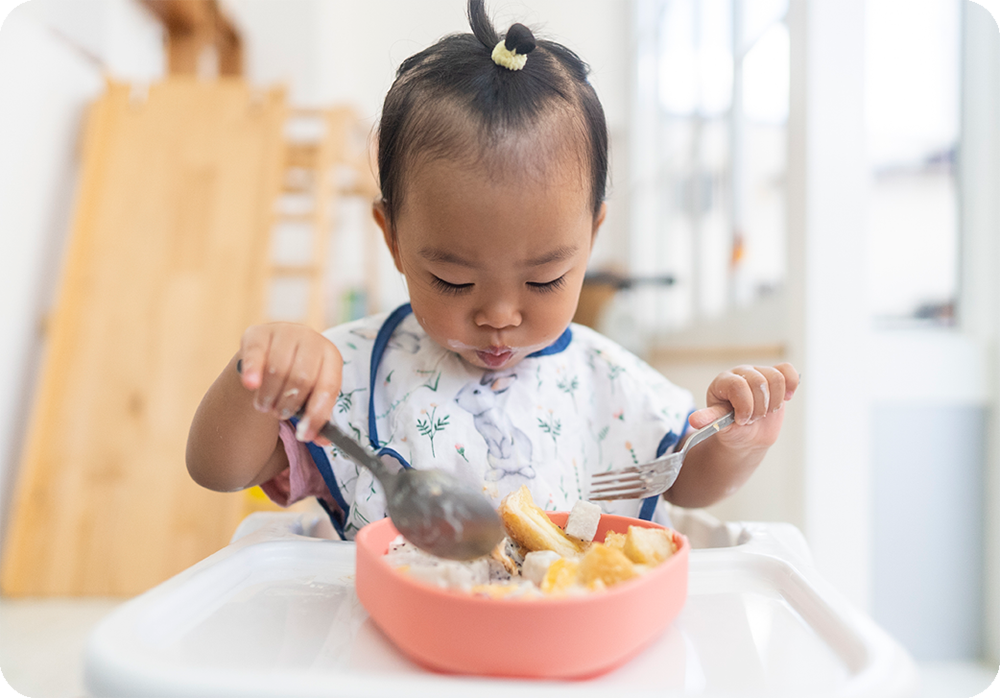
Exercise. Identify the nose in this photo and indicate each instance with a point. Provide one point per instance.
(497, 314)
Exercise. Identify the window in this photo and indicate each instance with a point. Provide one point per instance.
(912, 109)
(708, 161)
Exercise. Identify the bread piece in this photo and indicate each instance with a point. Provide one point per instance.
(648, 546)
(614, 539)
(527, 525)
(604, 566)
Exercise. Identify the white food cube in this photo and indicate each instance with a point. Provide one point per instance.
(536, 564)
(583, 520)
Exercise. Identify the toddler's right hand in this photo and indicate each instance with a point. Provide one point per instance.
(287, 366)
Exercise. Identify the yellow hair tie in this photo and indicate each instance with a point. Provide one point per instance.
(508, 58)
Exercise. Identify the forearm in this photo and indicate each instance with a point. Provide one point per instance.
(231, 445)
(712, 471)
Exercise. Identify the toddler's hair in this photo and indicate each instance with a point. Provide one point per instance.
(452, 101)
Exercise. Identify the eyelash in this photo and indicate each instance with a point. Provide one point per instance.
(548, 286)
(455, 289)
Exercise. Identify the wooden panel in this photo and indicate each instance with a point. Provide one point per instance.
(194, 26)
(166, 268)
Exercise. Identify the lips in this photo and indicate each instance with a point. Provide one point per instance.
(494, 357)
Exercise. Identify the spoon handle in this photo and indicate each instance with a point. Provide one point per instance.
(357, 453)
(350, 448)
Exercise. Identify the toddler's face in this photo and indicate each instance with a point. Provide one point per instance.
(494, 267)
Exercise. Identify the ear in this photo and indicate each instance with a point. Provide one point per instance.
(379, 214)
(598, 221)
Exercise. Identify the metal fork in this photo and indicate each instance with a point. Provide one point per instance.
(654, 477)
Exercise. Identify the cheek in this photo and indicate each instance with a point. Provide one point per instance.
(434, 315)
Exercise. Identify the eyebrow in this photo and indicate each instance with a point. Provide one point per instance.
(433, 254)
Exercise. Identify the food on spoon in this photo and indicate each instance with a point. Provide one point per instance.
(528, 526)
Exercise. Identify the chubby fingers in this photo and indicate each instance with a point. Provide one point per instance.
(792, 379)
(322, 398)
(752, 391)
(253, 356)
(288, 369)
(277, 368)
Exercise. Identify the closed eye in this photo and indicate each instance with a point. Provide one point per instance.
(553, 285)
(447, 287)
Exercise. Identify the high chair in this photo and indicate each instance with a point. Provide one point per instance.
(275, 614)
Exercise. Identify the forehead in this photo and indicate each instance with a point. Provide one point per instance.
(479, 209)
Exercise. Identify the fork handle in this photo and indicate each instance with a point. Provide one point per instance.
(709, 430)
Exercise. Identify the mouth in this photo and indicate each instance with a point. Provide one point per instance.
(494, 357)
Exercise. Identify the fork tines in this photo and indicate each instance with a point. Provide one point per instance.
(625, 483)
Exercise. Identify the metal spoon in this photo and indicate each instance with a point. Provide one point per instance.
(432, 509)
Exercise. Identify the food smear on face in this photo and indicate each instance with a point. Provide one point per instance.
(539, 559)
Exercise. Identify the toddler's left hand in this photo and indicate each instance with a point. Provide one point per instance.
(756, 394)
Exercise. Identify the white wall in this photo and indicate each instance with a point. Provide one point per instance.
(52, 56)
(981, 285)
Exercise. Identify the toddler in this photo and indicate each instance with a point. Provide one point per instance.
(493, 160)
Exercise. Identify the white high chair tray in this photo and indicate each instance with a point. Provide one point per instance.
(275, 614)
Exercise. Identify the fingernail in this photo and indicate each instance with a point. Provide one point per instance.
(788, 394)
(264, 406)
(286, 413)
(302, 428)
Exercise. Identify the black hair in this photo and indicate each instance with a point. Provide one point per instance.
(452, 100)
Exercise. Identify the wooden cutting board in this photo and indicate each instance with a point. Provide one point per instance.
(166, 267)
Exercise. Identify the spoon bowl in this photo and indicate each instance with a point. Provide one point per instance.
(432, 509)
(443, 515)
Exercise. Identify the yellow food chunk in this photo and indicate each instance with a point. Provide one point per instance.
(561, 576)
(648, 546)
(614, 539)
(604, 566)
(528, 526)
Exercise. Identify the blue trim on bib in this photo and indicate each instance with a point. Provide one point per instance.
(669, 440)
(338, 519)
(378, 348)
(557, 346)
(395, 454)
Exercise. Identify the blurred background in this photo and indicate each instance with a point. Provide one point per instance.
(813, 181)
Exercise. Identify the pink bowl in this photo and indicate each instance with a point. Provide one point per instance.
(553, 638)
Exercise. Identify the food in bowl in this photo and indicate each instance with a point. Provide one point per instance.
(539, 558)
(555, 636)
